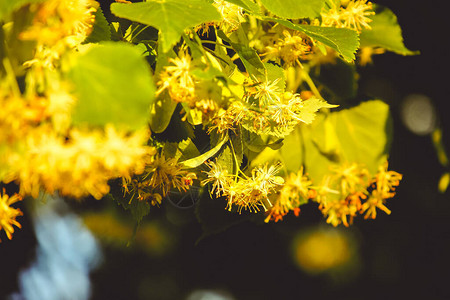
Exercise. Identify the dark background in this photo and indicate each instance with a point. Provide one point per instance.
(406, 254)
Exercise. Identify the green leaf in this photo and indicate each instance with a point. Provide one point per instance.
(364, 133)
(161, 112)
(114, 85)
(275, 72)
(231, 157)
(238, 147)
(344, 41)
(249, 57)
(257, 142)
(101, 30)
(248, 5)
(294, 9)
(178, 130)
(181, 151)
(385, 33)
(226, 161)
(197, 161)
(163, 107)
(171, 17)
(310, 107)
(360, 134)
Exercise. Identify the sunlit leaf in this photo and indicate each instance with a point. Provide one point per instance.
(114, 85)
(248, 5)
(360, 134)
(171, 17)
(294, 9)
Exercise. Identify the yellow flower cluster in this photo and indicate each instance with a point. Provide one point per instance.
(78, 165)
(365, 54)
(231, 14)
(56, 26)
(9, 214)
(244, 192)
(348, 192)
(159, 177)
(267, 109)
(355, 15)
(176, 78)
(383, 185)
(351, 191)
(295, 192)
(292, 48)
(228, 119)
(61, 22)
(39, 148)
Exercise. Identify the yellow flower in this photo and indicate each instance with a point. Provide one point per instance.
(332, 16)
(355, 15)
(376, 200)
(352, 177)
(80, 165)
(165, 173)
(253, 192)
(285, 111)
(69, 21)
(290, 49)
(384, 185)
(231, 13)
(295, 192)
(266, 92)
(219, 178)
(386, 181)
(8, 214)
(177, 79)
(160, 176)
(365, 54)
(59, 108)
(264, 178)
(225, 120)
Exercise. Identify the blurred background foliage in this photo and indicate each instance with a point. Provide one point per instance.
(401, 255)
